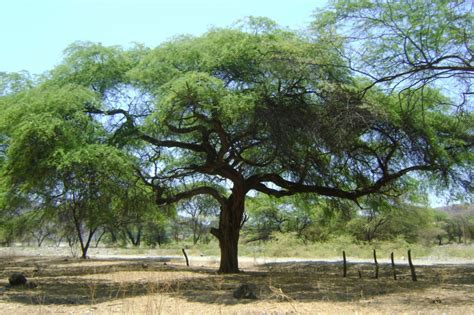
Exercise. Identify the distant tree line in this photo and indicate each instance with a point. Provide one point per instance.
(307, 219)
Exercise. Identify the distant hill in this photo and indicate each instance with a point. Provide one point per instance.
(466, 209)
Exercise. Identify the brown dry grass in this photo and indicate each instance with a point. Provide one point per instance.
(153, 287)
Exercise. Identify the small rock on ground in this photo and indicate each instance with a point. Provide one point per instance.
(17, 278)
(246, 291)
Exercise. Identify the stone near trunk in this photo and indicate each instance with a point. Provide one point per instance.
(246, 291)
(17, 278)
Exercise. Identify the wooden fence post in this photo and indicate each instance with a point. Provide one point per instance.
(344, 263)
(412, 268)
(376, 265)
(393, 267)
(185, 256)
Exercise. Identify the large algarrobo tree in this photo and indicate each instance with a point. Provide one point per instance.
(269, 111)
(260, 109)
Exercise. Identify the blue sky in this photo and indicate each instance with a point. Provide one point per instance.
(35, 32)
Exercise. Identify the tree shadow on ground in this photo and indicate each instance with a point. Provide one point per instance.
(86, 283)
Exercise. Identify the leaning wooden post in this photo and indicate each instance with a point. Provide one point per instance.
(186, 256)
(344, 263)
(393, 267)
(412, 268)
(376, 265)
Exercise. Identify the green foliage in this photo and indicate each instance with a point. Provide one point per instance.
(310, 219)
(41, 125)
(11, 83)
(319, 220)
(196, 215)
(404, 221)
(11, 229)
(94, 66)
(57, 159)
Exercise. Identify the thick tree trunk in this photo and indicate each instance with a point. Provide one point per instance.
(230, 222)
(228, 243)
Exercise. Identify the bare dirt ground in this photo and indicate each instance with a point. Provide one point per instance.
(141, 285)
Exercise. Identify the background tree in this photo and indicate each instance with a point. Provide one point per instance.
(266, 215)
(42, 226)
(198, 213)
(436, 229)
(457, 221)
(56, 157)
(134, 208)
(390, 219)
(157, 231)
(310, 218)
